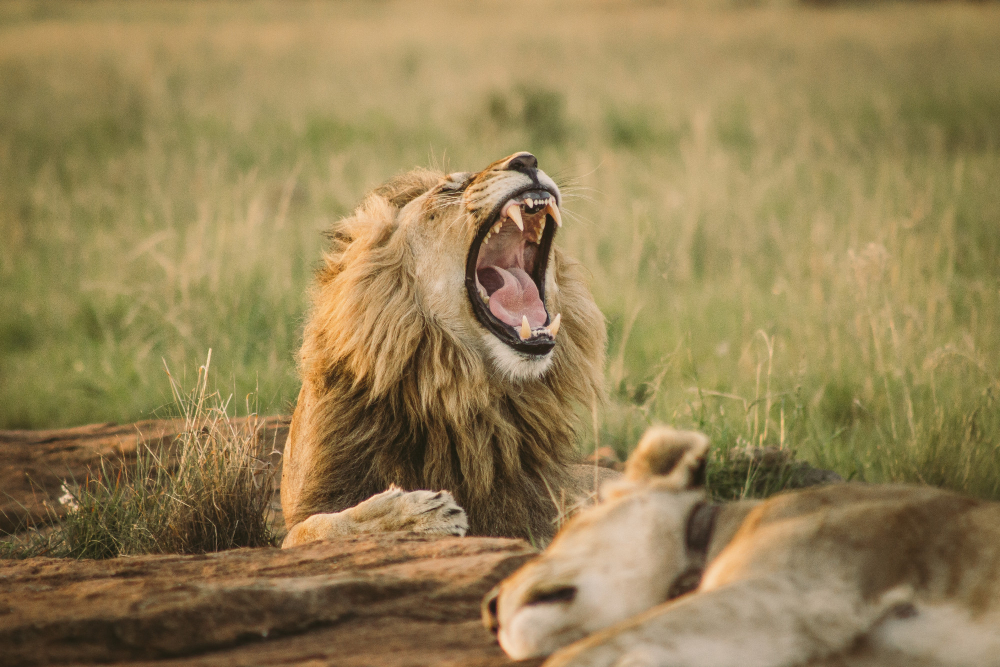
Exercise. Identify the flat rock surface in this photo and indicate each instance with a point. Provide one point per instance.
(392, 599)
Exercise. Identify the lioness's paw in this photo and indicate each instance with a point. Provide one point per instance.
(430, 512)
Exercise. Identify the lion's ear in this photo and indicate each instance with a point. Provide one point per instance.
(401, 189)
(676, 458)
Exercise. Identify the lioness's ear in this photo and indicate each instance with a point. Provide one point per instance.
(675, 457)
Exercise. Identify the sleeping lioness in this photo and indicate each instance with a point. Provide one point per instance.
(447, 349)
(847, 574)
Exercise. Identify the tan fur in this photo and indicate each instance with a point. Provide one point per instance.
(392, 510)
(402, 385)
(847, 574)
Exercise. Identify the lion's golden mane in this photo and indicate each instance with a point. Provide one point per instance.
(390, 396)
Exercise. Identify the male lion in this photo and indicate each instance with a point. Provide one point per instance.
(847, 574)
(447, 347)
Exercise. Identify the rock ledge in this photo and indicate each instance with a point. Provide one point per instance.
(393, 599)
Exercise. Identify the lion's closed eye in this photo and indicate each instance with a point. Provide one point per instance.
(457, 181)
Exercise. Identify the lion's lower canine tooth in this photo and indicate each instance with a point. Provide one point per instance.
(525, 332)
(554, 327)
(553, 210)
(514, 212)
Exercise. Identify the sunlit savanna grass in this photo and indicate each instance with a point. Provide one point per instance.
(791, 216)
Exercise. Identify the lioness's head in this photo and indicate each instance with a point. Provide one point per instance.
(612, 561)
(483, 241)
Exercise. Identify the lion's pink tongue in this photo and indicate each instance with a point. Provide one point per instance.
(517, 298)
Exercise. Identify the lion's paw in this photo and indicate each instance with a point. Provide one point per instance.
(430, 512)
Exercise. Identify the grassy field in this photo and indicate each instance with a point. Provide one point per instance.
(791, 215)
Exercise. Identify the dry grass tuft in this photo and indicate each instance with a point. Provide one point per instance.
(209, 491)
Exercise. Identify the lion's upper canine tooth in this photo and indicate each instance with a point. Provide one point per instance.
(525, 331)
(554, 327)
(553, 210)
(514, 213)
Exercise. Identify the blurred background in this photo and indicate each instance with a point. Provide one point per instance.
(790, 212)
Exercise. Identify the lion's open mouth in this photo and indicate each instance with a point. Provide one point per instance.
(505, 271)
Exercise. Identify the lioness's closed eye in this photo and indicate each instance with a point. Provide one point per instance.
(851, 574)
(447, 345)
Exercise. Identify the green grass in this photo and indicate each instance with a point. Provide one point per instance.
(789, 214)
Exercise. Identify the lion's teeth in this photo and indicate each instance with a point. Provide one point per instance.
(483, 295)
(487, 239)
(514, 212)
(553, 210)
(554, 327)
(525, 332)
(496, 227)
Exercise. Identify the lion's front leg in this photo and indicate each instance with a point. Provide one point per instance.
(428, 512)
(768, 622)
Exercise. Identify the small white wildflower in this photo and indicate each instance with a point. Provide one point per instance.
(68, 499)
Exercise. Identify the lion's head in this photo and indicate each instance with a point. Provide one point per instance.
(482, 244)
(448, 346)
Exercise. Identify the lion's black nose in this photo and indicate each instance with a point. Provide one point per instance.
(489, 610)
(523, 162)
